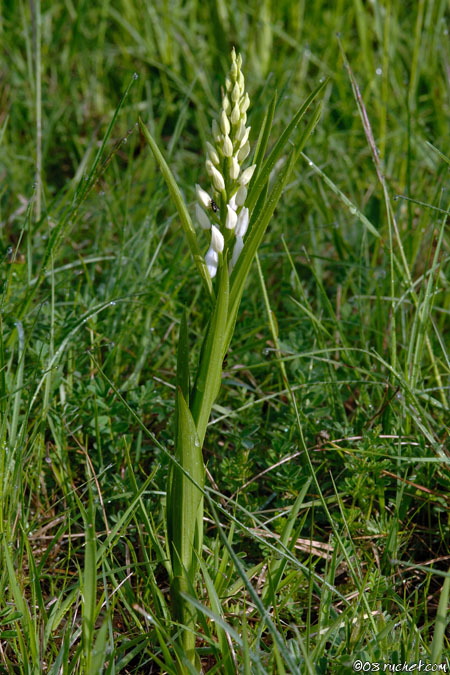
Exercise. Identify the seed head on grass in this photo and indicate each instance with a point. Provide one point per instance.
(229, 181)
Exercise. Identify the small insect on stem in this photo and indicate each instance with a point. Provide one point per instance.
(214, 206)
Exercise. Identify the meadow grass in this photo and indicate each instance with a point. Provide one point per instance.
(326, 523)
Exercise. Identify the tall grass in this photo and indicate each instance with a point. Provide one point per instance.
(326, 494)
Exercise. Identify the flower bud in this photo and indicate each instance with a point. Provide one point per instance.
(244, 152)
(245, 103)
(217, 178)
(235, 94)
(241, 83)
(212, 153)
(212, 262)
(209, 167)
(233, 70)
(224, 123)
(240, 131)
(228, 84)
(217, 240)
(226, 105)
(242, 222)
(244, 138)
(247, 175)
(202, 218)
(236, 114)
(233, 54)
(227, 147)
(203, 197)
(241, 196)
(239, 61)
(234, 168)
(232, 218)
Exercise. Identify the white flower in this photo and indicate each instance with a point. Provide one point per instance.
(234, 168)
(202, 218)
(247, 175)
(235, 114)
(241, 195)
(203, 197)
(235, 94)
(217, 240)
(244, 138)
(232, 218)
(232, 203)
(217, 178)
(244, 152)
(224, 123)
(239, 245)
(212, 262)
(226, 105)
(212, 153)
(242, 222)
(227, 147)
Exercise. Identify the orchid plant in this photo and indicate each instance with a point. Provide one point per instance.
(235, 213)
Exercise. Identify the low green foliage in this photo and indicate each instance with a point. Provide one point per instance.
(326, 522)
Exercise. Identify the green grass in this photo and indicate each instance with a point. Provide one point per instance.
(327, 522)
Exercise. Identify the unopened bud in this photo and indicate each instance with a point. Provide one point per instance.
(244, 138)
(235, 94)
(226, 105)
(239, 61)
(247, 175)
(244, 152)
(241, 82)
(228, 84)
(245, 103)
(203, 197)
(227, 147)
(233, 70)
(212, 153)
(202, 218)
(224, 123)
(236, 114)
(217, 240)
(232, 218)
(234, 168)
(241, 196)
(217, 179)
(240, 132)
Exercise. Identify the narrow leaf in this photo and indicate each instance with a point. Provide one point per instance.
(209, 376)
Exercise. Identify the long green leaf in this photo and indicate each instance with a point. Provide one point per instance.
(209, 376)
(183, 212)
(185, 520)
